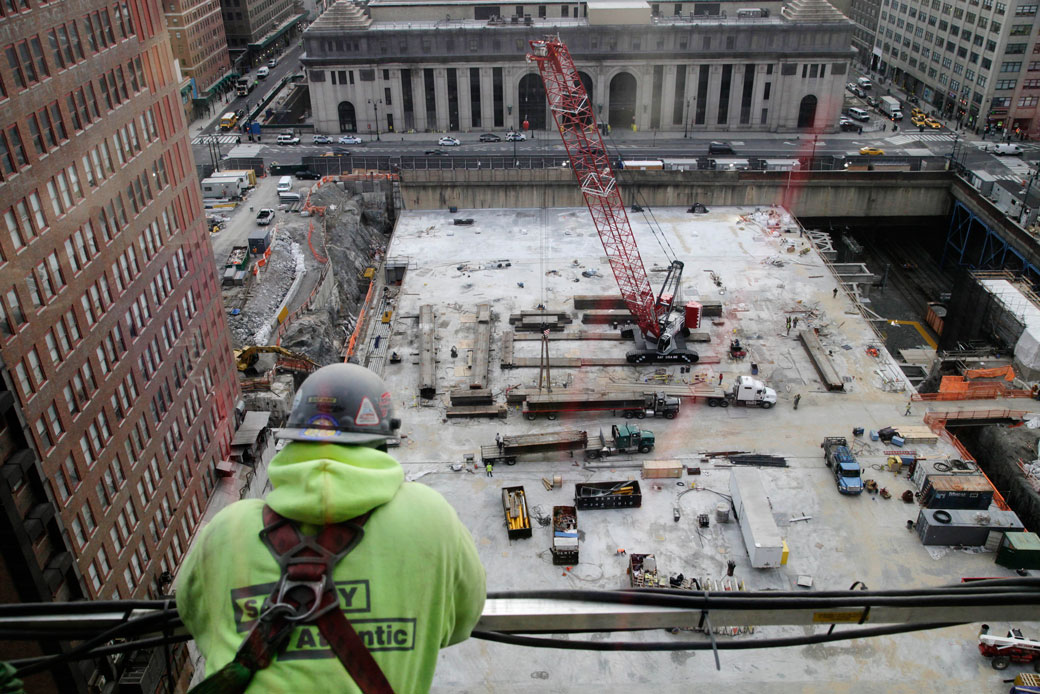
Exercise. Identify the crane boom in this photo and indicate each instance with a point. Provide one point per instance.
(576, 122)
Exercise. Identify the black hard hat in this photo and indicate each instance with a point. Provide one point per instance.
(342, 403)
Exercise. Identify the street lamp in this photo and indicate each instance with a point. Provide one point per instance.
(686, 121)
(375, 105)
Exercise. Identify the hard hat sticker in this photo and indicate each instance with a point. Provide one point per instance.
(318, 434)
(367, 415)
(384, 404)
(323, 421)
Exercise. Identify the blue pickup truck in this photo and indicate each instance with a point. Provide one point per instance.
(848, 476)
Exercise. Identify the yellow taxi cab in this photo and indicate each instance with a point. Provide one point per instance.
(918, 121)
(932, 123)
(873, 151)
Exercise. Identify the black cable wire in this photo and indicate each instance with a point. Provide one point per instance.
(538, 642)
(35, 608)
(89, 645)
(115, 649)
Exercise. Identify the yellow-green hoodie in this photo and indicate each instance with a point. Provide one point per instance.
(411, 587)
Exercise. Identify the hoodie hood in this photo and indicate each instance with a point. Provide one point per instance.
(322, 483)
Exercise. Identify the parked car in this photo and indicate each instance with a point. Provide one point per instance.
(447, 141)
(872, 151)
(272, 62)
(321, 140)
(490, 137)
(847, 124)
(720, 148)
(852, 87)
(435, 152)
(873, 102)
(515, 137)
(263, 72)
(285, 139)
(308, 175)
(350, 140)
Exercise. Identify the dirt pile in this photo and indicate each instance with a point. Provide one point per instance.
(998, 450)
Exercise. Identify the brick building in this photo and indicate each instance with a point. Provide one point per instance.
(198, 42)
(115, 351)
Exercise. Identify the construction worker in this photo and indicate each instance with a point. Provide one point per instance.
(490, 469)
(908, 405)
(345, 577)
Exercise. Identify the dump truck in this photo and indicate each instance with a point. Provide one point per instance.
(747, 391)
(627, 404)
(514, 504)
(601, 495)
(238, 258)
(848, 476)
(624, 438)
(565, 535)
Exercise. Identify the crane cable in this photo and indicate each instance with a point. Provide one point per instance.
(647, 211)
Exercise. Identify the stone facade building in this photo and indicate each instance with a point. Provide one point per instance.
(460, 66)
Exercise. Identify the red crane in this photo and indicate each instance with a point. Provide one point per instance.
(572, 111)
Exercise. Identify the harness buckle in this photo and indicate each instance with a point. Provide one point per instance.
(292, 612)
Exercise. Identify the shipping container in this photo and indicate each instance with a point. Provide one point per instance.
(923, 469)
(1019, 550)
(765, 548)
(957, 491)
(936, 316)
(662, 469)
(963, 527)
(260, 241)
(600, 495)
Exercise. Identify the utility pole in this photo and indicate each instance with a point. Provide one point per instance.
(686, 120)
(375, 105)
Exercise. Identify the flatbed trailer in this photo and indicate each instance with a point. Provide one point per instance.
(565, 535)
(526, 444)
(628, 405)
(514, 504)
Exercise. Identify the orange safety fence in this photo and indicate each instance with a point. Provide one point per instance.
(310, 230)
(352, 342)
(972, 391)
(283, 326)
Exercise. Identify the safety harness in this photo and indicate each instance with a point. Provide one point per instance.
(304, 594)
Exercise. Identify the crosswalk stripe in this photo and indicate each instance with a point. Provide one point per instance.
(222, 139)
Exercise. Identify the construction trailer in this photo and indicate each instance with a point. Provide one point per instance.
(765, 548)
(514, 504)
(565, 535)
(222, 188)
(629, 405)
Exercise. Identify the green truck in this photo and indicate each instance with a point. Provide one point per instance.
(623, 438)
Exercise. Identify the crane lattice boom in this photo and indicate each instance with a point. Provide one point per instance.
(576, 122)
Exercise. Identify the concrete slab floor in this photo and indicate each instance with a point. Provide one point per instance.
(518, 259)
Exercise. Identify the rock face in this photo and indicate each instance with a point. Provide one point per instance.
(357, 229)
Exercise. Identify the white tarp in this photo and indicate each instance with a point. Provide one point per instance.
(1027, 349)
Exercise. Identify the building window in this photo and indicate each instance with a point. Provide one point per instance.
(1028, 101)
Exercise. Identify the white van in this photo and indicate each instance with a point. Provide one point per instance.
(263, 72)
(284, 184)
(858, 114)
(864, 83)
(1006, 148)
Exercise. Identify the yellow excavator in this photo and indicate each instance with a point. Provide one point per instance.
(246, 357)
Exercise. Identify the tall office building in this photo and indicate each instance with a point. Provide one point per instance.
(257, 29)
(114, 346)
(977, 61)
(198, 42)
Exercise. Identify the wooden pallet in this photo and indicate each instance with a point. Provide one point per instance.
(917, 434)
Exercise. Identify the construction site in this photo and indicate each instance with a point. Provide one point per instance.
(689, 396)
